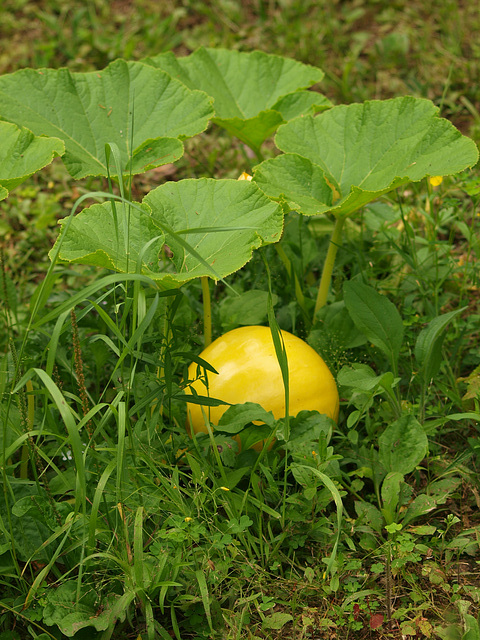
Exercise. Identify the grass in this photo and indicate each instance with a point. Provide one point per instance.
(114, 523)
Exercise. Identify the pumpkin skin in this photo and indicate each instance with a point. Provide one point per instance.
(248, 371)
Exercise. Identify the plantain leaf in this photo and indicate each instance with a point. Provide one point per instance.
(376, 317)
(428, 347)
(276, 621)
(27, 531)
(390, 495)
(72, 613)
(403, 445)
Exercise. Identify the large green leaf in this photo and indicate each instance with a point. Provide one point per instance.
(298, 181)
(97, 236)
(365, 150)
(254, 92)
(210, 227)
(22, 154)
(141, 109)
(301, 103)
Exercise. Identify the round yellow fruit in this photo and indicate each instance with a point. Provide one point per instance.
(248, 371)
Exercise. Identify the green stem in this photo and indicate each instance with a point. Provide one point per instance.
(293, 276)
(207, 311)
(326, 278)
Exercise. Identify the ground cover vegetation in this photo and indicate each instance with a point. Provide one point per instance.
(354, 225)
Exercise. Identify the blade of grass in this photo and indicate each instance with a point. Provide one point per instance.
(328, 482)
(97, 497)
(90, 290)
(43, 573)
(282, 359)
(207, 312)
(202, 583)
(138, 566)
(72, 429)
(121, 423)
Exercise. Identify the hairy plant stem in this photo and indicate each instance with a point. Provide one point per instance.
(327, 271)
(388, 580)
(78, 364)
(6, 297)
(207, 311)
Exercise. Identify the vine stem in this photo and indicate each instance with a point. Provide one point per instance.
(207, 311)
(327, 271)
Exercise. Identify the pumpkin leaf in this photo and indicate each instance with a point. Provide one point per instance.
(182, 230)
(252, 131)
(22, 154)
(298, 182)
(301, 103)
(249, 89)
(143, 110)
(367, 150)
(249, 307)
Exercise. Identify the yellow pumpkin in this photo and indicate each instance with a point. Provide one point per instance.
(248, 371)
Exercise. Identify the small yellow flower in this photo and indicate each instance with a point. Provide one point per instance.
(314, 453)
(188, 519)
(224, 488)
(435, 180)
(245, 176)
